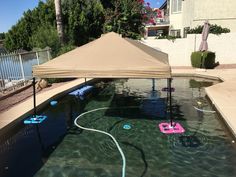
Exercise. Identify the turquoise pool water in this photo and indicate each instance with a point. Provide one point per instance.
(61, 149)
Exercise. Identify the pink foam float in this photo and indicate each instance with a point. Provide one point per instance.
(165, 127)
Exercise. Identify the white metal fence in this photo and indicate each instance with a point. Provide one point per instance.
(16, 68)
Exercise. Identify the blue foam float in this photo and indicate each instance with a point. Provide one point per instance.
(53, 103)
(82, 91)
(127, 126)
(35, 120)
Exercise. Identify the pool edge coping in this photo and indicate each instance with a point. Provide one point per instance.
(14, 122)
(223, 117)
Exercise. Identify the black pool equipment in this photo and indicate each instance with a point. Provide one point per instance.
(83, 91)
(166, 89)
(190, 141)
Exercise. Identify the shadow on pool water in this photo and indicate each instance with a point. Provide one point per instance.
(58, 148)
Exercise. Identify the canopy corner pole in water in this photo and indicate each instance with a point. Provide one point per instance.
(153, 84)
(170, 101)
(34, 97)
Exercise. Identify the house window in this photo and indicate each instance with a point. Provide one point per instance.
(152, 32)
(175, 33)
(176, 6)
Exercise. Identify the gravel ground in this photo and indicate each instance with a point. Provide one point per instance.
(17, 98)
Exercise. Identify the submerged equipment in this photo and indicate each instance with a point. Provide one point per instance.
(35, 119)
(167, 128)
(166, 89)
(170, 127)
(127, 126)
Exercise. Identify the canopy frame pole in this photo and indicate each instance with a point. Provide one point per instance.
(34, 97)
(170, 101)
(167, 101)
(35, 114)
(153, 84)
(85, 81)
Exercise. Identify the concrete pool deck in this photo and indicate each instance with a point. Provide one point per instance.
(222, 95)
(26, 107)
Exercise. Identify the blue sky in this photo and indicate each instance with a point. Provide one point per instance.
(155, 3)
(12, 10)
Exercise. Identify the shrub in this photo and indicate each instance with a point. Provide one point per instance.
(65, 49)
(58, 80)
(203, 59)
(168, 37)
(46, 36)
(214, 29)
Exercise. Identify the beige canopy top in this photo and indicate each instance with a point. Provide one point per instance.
(110, 56)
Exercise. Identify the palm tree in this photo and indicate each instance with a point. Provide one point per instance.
(59, 20)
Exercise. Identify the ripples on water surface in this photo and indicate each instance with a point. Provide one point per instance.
(205, 149)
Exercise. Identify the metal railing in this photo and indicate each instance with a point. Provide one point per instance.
(16, 68)
(163, 21)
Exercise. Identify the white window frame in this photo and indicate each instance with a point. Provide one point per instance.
(174, 32)
(177, 6)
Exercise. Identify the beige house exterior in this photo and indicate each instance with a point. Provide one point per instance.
(184, 14)
(191, 13)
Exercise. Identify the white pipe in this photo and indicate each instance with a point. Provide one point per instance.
(103, 132)
(202, 110)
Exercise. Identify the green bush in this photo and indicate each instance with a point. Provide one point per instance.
(203, 59)
(168, 37)
(214, 29)
(58, 80)
(46, 36)
(65, 49)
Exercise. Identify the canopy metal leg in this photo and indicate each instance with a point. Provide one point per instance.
(170, 127)
(153, 84)
(34, 97)
(170, 101)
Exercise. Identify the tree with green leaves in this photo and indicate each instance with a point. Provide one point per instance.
(18, 37)
(125, 18)
(83, 21)
(59, 20)
(2, 36)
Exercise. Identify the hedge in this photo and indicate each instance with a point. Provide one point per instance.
(203, 59)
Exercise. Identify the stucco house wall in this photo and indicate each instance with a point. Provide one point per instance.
(180, 50)
(195, 12)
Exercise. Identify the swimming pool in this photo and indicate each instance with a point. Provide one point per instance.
(58, 148)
